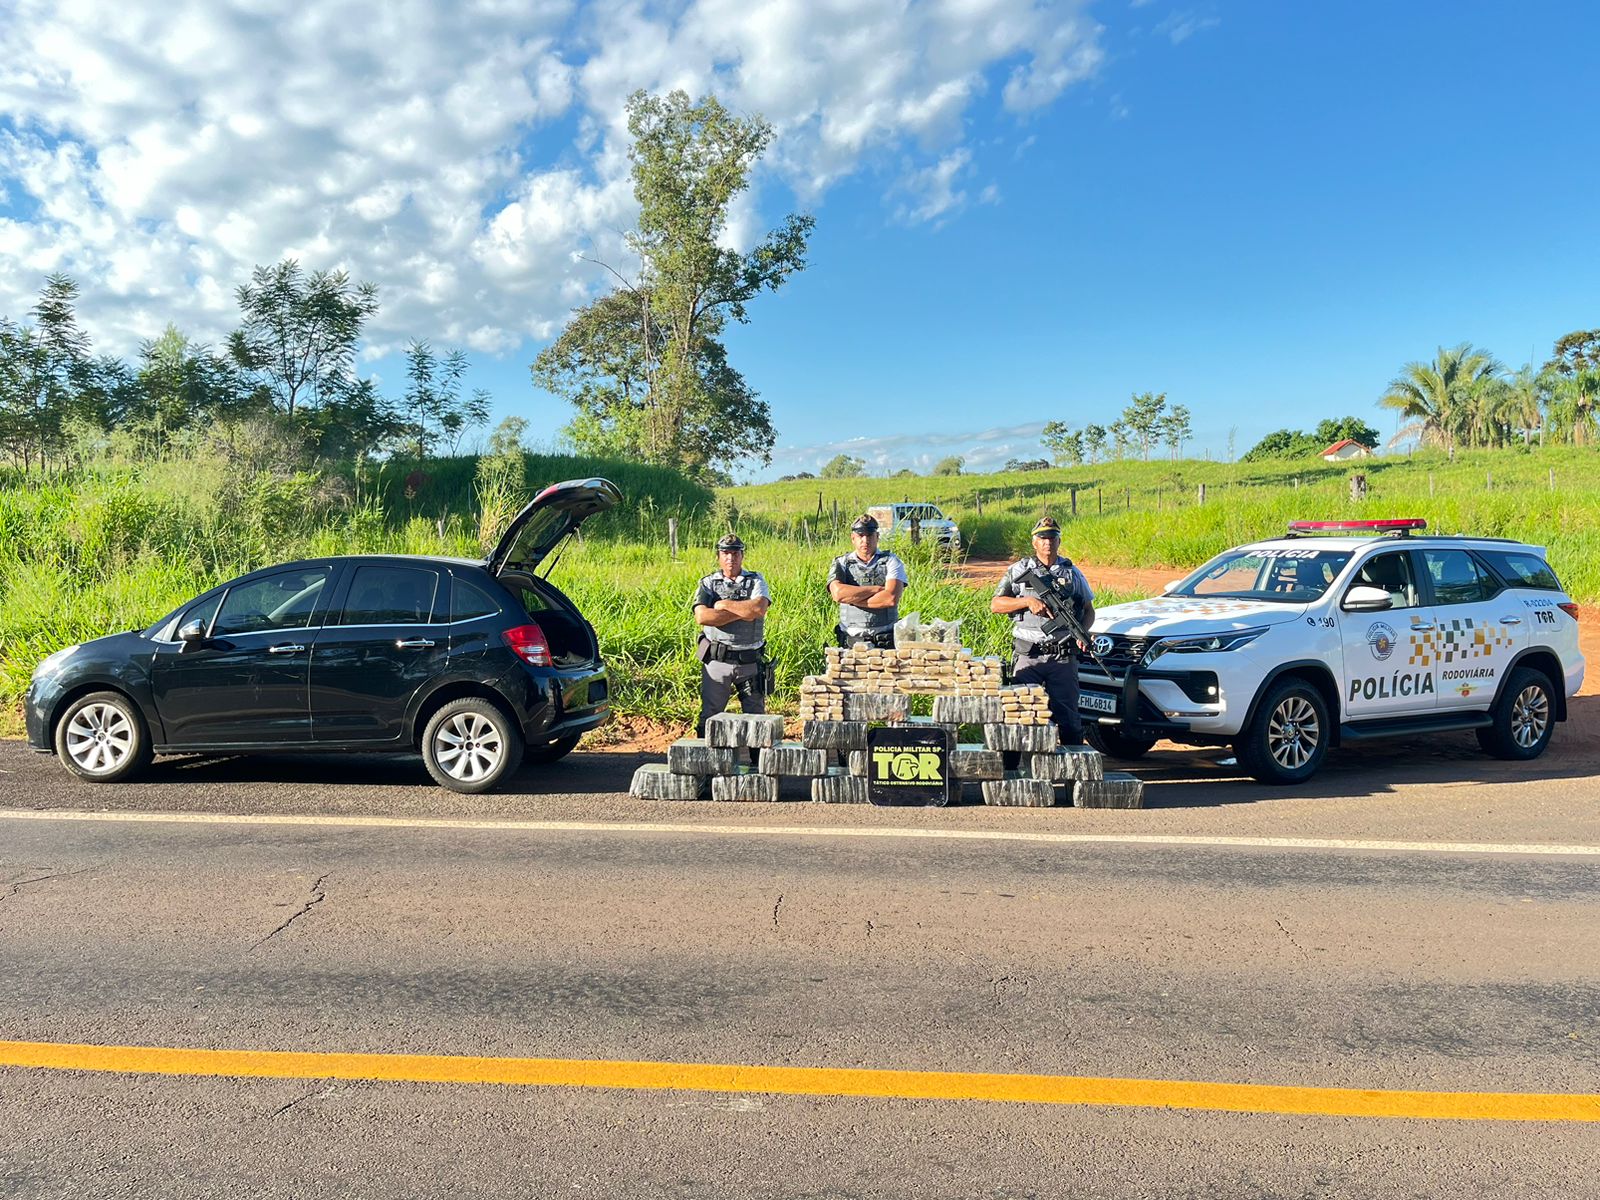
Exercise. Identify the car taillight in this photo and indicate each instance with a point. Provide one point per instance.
(529, 644)
(1568, 607)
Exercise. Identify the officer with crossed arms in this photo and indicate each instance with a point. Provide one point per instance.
(867, 583)
(730, 608)
(1041, 659)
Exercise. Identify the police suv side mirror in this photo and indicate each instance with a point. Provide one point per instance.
(193, 632)
(1171, 586)
(1367, 599)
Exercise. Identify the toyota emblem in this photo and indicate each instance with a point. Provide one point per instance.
(1102, 644)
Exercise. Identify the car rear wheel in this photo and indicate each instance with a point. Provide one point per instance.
(1287, 739)
(102, 737)
(1524, 717)
(1110, 740)
(470, 746)
(549, 752)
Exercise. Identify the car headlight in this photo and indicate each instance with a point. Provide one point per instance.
(1211, 643)
(53, 663)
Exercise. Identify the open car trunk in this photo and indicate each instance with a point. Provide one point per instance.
(548, 520)
(572, 639)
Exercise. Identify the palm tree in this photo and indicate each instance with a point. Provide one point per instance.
(1440, 399)
(1573, 407)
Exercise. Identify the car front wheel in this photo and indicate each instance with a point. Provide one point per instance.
(1524, 717)
(103, 737)
(1287, 739)
(470, 746)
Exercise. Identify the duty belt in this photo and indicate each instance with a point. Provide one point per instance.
(720, 652)
(1046, 648)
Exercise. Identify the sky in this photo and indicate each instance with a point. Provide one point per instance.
(1025, 211)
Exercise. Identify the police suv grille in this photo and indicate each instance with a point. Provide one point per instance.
(1125, 651)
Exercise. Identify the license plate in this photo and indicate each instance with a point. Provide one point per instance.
(1097, 702)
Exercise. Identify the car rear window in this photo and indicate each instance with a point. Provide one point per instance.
(390, 596)
(467, 601)
(1522, 569)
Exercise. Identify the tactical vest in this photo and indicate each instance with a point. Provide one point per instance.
(741, 635)
(1026, 625)
(848, 568)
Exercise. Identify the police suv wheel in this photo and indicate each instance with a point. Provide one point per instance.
(102, 737)
(1287, 738)
(469, 746)
(1524, 717)
(549, 752)
(1110, 740)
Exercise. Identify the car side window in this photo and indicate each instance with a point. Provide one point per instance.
(282, 601)
(1391, 573)
(202, 612)
(1524, 570)
(390, 596)
(467, 601)
(1457, 578)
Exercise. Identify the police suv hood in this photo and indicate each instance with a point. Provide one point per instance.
(1179, 616)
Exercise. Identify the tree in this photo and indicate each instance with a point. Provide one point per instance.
(299, 333)
(1119, 439)
(1064, 443)
(1142, 419)
(1437, 398)
(685, 405)
(1331, 430)
(950, 466)
(1575, 387)
(506, 439)
(1094, 442)
(842, 466)
(433, 406)
(1176, 429)
(1027, 464)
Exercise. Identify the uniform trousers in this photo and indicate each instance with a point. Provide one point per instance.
(1058, 675)
(719, 681)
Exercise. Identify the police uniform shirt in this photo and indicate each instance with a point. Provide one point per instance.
(747, 585)
(1027, 625)
(877, 571)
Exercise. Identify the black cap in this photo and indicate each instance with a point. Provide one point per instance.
(865, 523)
(730, 542)
(1047, 527)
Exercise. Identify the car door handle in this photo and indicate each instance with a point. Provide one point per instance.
(413, 644)
(1428, 628)
(286, 648)
(1511, 620)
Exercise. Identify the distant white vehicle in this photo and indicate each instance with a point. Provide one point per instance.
(894, 520)
(1286, 647)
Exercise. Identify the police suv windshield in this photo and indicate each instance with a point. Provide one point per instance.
(1294, 576)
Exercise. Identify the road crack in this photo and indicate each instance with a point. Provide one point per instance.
(1290, 936)
(317, 897)
(18, 885)
(775, 909)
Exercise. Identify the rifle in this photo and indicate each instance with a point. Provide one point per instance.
(1062, 619)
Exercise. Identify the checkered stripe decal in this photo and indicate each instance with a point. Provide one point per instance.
(1457, 640)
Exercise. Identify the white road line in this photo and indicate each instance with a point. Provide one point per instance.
(967, 835)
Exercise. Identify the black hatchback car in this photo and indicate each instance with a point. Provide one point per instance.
(479, 665)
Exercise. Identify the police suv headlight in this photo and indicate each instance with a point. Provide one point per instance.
(1211, 643)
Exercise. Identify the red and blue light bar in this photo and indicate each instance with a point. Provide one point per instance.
(1400, 525)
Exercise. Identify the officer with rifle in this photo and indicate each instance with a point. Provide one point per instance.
(867, 583)
(730, 607)
(1048, 634)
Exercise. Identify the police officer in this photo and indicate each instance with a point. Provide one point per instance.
(730, 607)
(867, 583)
(1042, 659)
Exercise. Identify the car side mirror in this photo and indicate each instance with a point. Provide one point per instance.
(1367, 599)
(1171, 586)
(192, 632)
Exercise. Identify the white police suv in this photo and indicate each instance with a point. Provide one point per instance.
(1339, 632)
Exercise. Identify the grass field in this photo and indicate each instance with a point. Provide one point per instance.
(117, 547)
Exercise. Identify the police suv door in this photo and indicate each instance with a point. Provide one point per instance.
(1481, 628)
(1388, 670)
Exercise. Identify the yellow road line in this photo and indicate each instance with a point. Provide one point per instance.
(1049, 837)
(810, 1081)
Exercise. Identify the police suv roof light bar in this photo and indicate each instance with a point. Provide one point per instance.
(1394, 527)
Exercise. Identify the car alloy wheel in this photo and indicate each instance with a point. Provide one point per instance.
(100, 738)
(1293, 733)
(1530, 716)
(468, 747)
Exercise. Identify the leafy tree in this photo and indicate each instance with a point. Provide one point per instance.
(433, 408)
(1575, 388)
(1176, 429)
(843, 466)
(1437, 399)
(1064, 443)
(678, 400)
(1284, 443)
(27, 424)
(1336, 429)
(1094, 442)
(950, 466)
(506, 438)
(1143, 419)
(1027, 464)
(1120, 439)
(300, 332)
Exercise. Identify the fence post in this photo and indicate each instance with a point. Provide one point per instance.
(1100, 502)
(977, 499)
(836, 512)
(1358, 488)
(1202, 495)
(1074, 493)
(819, 506)
(1488, 481)
(805, 528)
(1127, 499)
(672, 537)
(916, 531)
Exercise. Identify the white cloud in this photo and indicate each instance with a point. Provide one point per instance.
(1182, 25)
(461, 156)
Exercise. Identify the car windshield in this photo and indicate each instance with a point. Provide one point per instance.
(922, 512)
(1296, 576)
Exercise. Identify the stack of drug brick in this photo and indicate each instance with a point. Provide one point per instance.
(866, 685)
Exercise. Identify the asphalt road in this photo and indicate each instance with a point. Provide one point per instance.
(1388, 970)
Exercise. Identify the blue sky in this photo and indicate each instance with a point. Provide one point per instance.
(1025, 211)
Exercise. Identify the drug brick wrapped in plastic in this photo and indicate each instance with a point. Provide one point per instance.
(653, 781)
